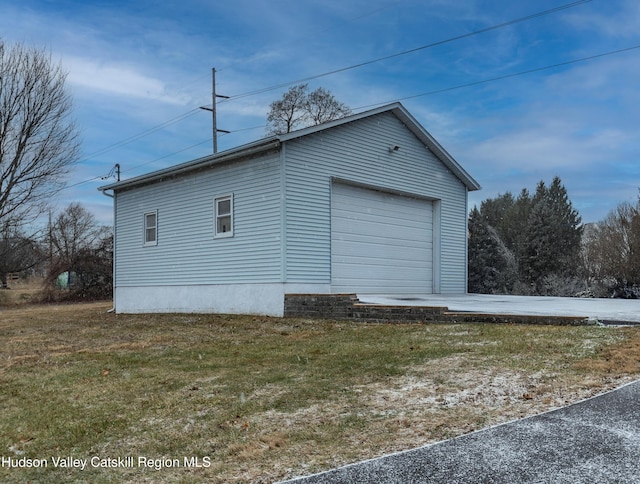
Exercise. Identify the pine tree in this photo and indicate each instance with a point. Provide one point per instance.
(538, 257)
(491, 264)
(519, 220)
(520, 244)
(554, 235)
(567, 225)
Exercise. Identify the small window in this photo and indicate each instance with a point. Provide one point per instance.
(223, 207)
(151, 228)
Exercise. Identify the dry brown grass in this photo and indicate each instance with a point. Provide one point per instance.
(21, 292)
(265, 398)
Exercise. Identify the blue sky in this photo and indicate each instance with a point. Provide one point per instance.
(139, 70)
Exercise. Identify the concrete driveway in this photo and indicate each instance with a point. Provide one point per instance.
(603, 310)
(596, 440)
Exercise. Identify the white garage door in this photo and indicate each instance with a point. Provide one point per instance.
(380, 242)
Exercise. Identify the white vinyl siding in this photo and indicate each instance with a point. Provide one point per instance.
(359, 153)
(280, 213)
(380, 242)
(188, 252)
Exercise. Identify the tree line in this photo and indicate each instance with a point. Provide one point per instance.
(536, 244)
(73, 245)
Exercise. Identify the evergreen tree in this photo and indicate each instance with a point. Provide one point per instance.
(567, 226)
(519, 220)
(494, 211)
(554, 236)
(491, 264)
(538, 257)
(519, 244)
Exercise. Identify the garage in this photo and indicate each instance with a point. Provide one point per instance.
(381, 242)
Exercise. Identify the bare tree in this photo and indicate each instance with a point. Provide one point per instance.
(73, 230)
(18, 253)
(612, 251)
(83, 248)
(299, 108)
(38, 140)
(288, 113)
(322, 106)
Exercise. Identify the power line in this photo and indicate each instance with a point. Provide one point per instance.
(142, 134)
(506, 76)
(137, 166)
(190, 147)
(354, 66)
(410, 51)
(170, 154)
(322, 31)
(95, 178)
(191, 112)
(429, 93)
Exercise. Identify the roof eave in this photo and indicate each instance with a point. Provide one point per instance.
(274, 142)
(197, 164)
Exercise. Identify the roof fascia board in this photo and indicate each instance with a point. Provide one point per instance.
(199, 163)
(274, 141)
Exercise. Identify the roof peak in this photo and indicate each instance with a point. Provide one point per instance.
(273, 142)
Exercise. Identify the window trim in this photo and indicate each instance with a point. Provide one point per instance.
(217, 216)
(145, 228)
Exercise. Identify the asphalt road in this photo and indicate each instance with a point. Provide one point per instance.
(596, 440)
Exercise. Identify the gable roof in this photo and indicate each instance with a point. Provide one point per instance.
(274, 142)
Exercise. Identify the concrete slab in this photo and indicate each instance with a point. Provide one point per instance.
(596, 440)
(603, 310)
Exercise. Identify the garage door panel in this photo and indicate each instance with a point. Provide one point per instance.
(375, 238)
(400, 286)
(382, 213)
(392, 278)
(368, 224)
(380, 242)
(382, 251)
(394, 228)
(355, 261)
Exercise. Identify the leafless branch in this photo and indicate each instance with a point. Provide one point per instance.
(39, 141)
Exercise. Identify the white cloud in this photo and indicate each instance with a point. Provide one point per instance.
(119, 80)
(621, 21)
(555, 146)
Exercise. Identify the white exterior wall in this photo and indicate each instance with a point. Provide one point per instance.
(187, 254)
(266, 299)
(358, 152)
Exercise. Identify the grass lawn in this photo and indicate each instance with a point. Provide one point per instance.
(257, 399)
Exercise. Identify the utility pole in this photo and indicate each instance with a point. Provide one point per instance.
(214, 96)
(50, 241)
(115, 172)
